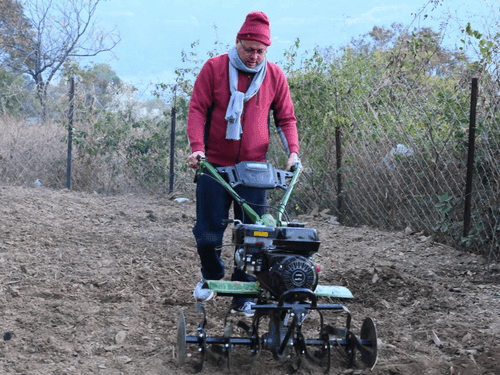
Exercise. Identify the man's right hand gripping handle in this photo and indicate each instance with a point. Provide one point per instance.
(194, 158)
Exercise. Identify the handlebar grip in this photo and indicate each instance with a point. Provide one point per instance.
(295, 165)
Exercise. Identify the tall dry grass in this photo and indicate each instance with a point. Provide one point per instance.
(39, 152)
(30, 152)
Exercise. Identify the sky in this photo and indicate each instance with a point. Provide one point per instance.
(155, 32)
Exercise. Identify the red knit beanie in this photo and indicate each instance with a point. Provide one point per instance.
(256, 27)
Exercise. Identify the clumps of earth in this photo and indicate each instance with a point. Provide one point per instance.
(93, 284)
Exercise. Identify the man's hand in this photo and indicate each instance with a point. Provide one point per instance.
(193, 158)
(292, 160)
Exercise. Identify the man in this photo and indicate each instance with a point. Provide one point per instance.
(228, 124)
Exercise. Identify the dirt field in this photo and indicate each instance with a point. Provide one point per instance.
(95, 285)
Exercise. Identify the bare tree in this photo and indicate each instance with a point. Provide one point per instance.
(58, 30)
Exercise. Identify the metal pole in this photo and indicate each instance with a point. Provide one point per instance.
(172, 150)
(70, 131)
(470, 157)
(338, 150)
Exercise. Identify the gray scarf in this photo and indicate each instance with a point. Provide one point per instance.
(235, 106)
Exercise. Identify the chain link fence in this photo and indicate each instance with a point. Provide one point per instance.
(394, 147)
(411, 176)
(382, 145)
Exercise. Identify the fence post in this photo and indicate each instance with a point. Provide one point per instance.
(172, 151)
(338, 150)
(470, 156)
(70, 131)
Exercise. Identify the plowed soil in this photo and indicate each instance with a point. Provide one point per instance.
(95, 285)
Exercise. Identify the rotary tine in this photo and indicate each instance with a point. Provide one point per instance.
(202, 338)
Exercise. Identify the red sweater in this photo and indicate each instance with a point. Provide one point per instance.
(212, 89)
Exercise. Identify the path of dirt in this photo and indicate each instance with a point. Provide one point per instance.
(94, 285)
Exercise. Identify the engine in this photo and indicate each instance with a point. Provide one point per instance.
(289, 272)
(280, 257)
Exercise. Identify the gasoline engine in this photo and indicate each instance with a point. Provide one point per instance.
(279, 257)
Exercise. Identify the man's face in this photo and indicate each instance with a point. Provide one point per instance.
(251, 52)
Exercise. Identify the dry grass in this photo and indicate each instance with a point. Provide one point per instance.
(30, 152)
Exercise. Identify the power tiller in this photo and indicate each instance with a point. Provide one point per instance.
(281, 255)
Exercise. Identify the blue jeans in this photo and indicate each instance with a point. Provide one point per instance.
(212, 207)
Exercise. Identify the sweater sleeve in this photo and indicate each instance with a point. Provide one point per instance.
(201, 100)
(284, 113)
